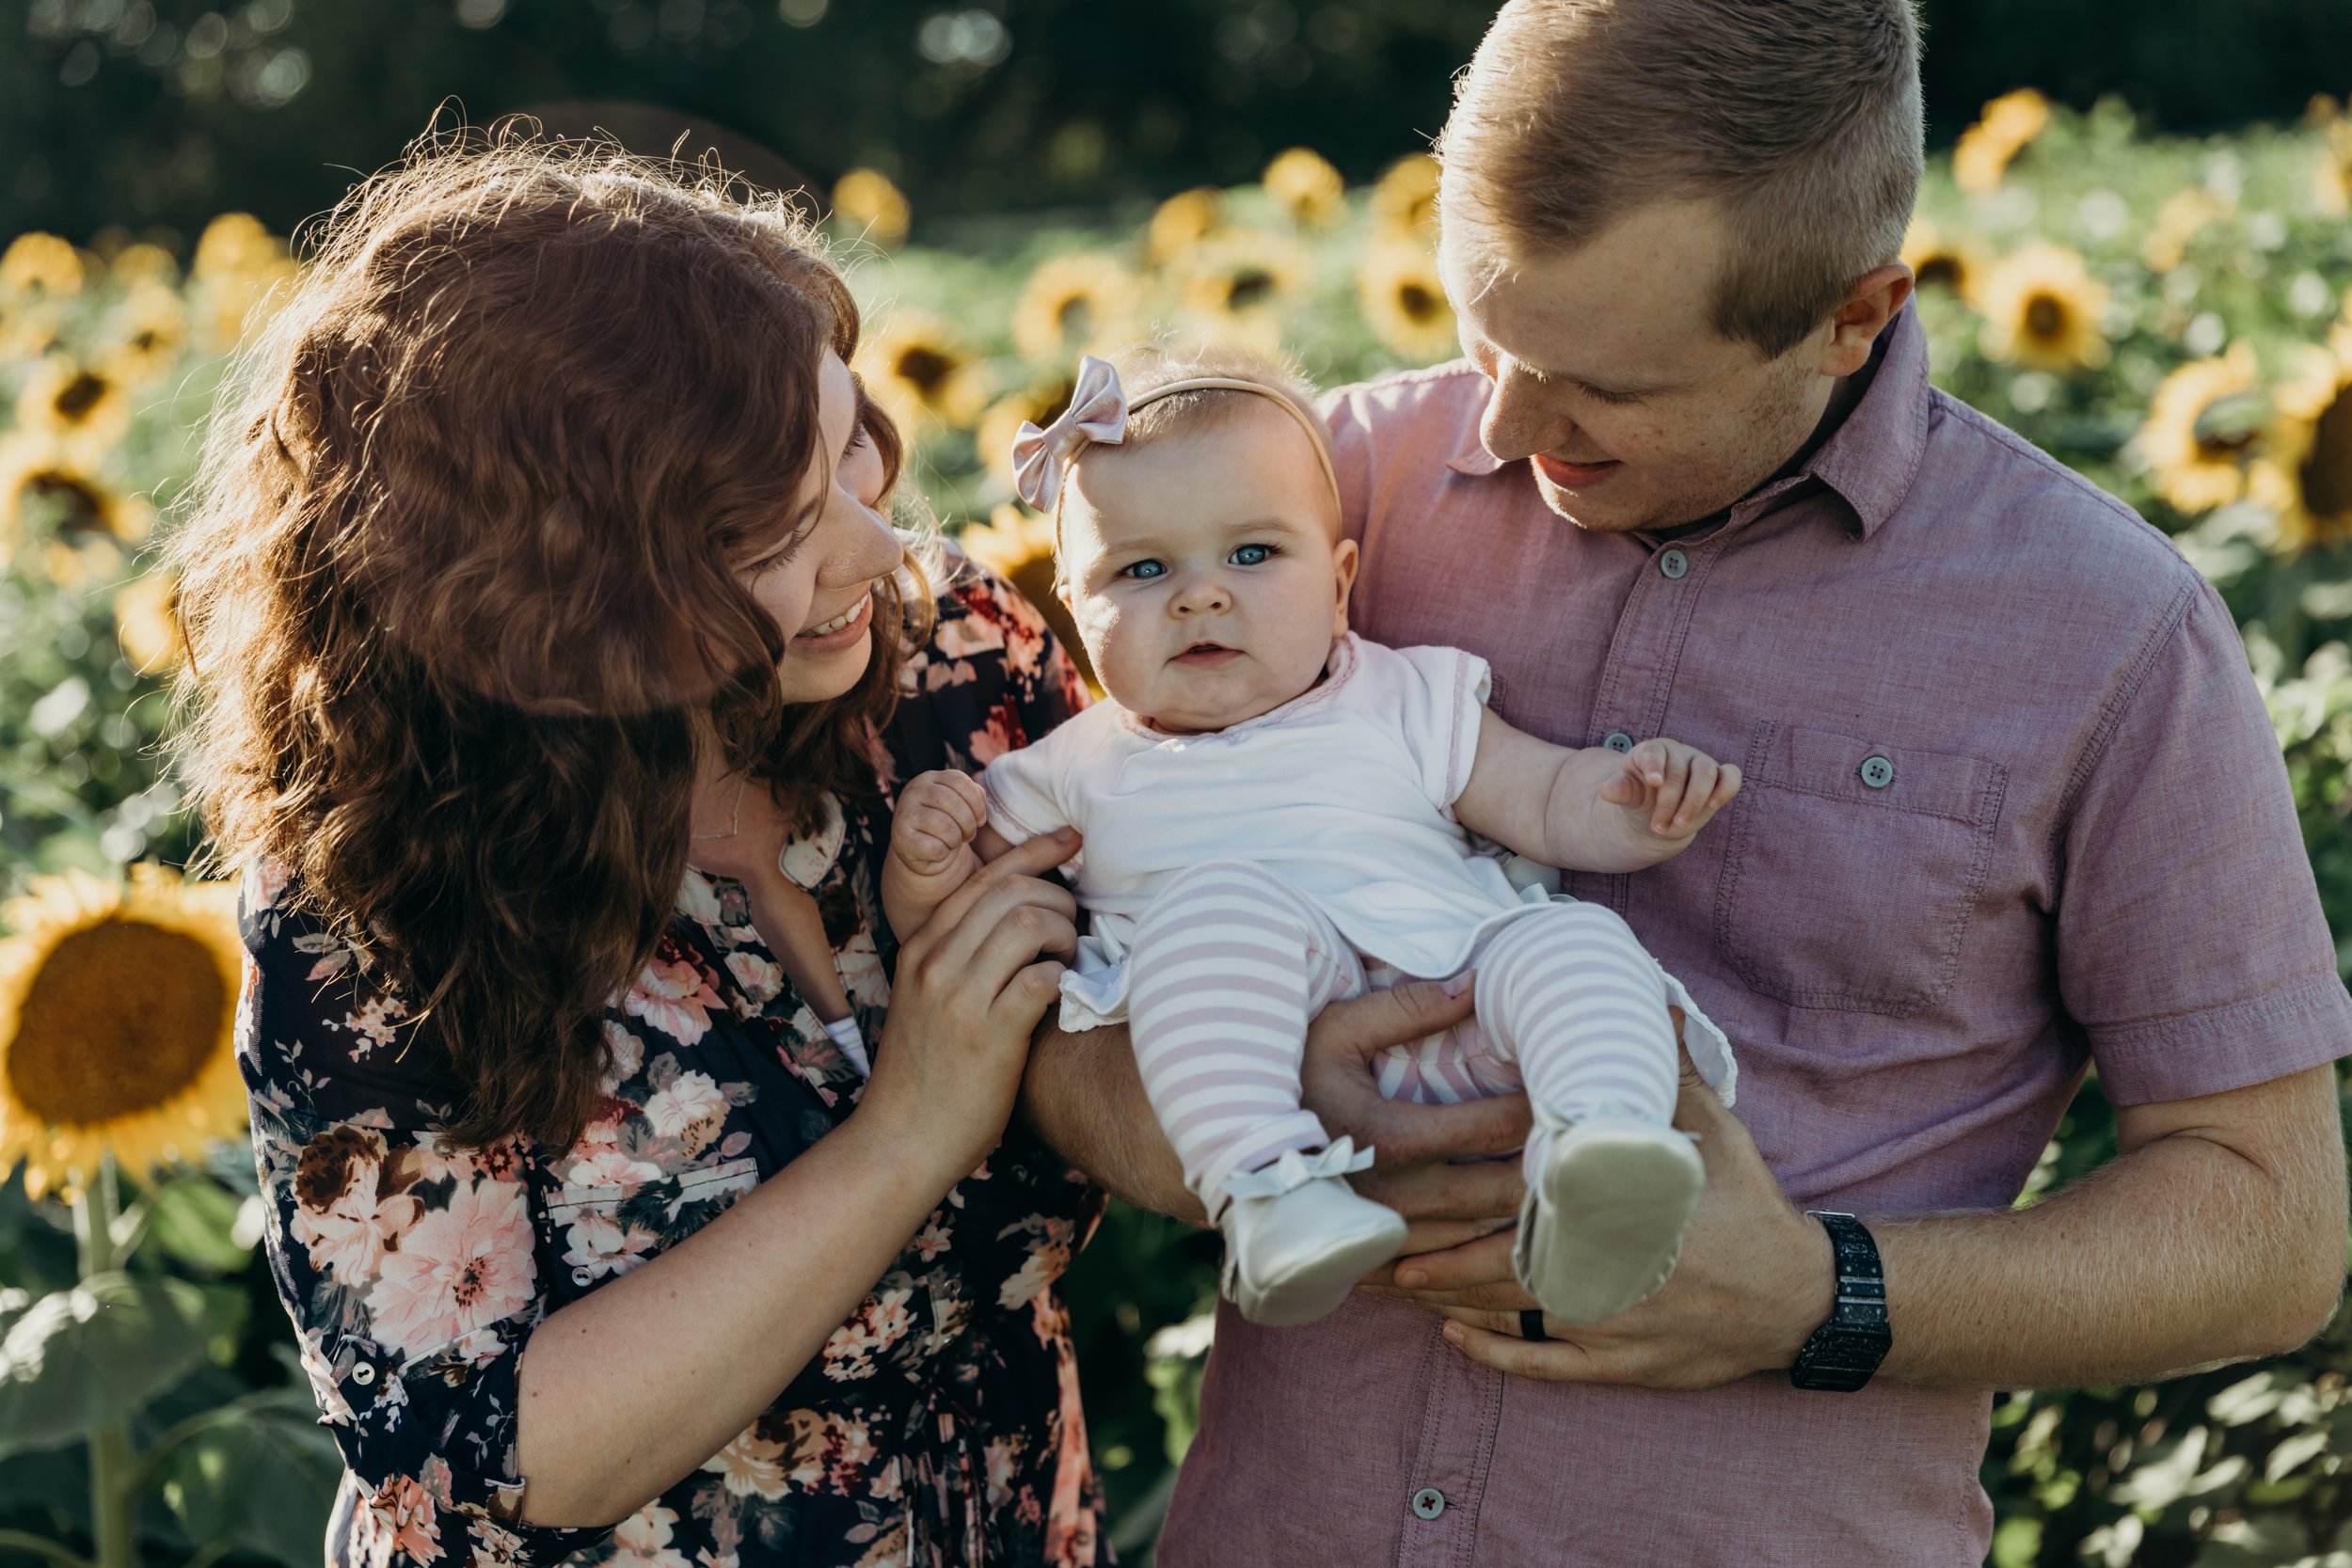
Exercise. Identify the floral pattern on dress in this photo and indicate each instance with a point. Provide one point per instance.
(939, 1427)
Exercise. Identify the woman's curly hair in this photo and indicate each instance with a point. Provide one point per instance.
(465, 571)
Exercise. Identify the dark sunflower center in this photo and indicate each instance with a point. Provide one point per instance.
(2046, 318)
(121, 1016)
(1943, 271)
(77, 396)
(1250, 286)
(74, 505)
(1420, 303)
(2327, 473)
(2229, 425)
(1076, 318)
(925, 369)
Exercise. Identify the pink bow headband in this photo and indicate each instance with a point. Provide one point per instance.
(1098, 415)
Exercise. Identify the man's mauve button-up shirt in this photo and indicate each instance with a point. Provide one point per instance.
(2011, 807)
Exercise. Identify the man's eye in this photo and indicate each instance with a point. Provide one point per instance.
(1252, 555)
(1143, 570)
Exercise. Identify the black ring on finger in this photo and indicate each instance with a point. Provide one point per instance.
(1532, 1324)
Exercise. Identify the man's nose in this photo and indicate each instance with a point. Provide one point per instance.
(1518, 424)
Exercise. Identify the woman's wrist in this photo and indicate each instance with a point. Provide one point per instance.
(933, 1150)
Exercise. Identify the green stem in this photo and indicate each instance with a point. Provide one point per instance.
(23, 1541)
(113, 1463)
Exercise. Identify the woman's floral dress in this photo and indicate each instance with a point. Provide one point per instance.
(939, 1427)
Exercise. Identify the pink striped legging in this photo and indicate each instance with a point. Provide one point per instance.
(1230, 963)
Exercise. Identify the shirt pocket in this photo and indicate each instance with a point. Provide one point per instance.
(1852, 869)
(599, 1231)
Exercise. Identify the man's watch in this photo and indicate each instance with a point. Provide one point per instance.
(1846, 1350)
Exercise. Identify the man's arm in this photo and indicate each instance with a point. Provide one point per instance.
(1083, 1095)
(2217, 1234)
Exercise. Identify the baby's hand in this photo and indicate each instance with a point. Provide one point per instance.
(939, 815)
(1669, 791)
(939, 818)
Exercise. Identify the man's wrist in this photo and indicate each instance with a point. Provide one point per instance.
(1813, 1298)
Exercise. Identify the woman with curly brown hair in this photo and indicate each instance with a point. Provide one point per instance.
(554, 674)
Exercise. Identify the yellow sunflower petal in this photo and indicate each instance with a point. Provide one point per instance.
(117, 1005)
(1404, 301)
(1074, 305)
(871, 206)
(1404, 202)
(2306, 473)
(2195, 468)
(1305, 187)
(1236, 283)
(2041, 310)
(917, 367)
(1182, 221)
(39, 264)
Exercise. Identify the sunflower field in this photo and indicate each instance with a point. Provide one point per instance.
(2173, 318)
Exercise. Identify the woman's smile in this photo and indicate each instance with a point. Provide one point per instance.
(843, 631)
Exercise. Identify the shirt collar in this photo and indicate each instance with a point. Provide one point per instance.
(1869, 461)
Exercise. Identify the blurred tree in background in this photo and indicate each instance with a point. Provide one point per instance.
(164, 112)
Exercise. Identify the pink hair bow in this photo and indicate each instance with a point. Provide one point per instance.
(1097, 412)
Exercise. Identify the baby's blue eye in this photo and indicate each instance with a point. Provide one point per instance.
(1143, 570)
(1252, 555)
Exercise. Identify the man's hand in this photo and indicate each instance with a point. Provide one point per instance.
(1415, 1145)
(1756, 1279)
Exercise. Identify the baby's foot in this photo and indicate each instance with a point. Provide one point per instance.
(1602, 1221)
(1297, 1237)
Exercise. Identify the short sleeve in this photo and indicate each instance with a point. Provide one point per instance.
(2191, 948)
(1024, 797)
(408, 1269)
(1436, 697)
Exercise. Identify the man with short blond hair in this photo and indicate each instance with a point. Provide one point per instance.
(2011, 810)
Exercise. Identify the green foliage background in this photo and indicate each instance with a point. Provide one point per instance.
(2235, 1466)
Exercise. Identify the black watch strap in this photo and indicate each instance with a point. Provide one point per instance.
(1847, 1349)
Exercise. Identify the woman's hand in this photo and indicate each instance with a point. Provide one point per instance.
(970, 991)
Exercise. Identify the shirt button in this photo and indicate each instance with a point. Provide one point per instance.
(1673, 565)
(1428, 1503)
(1618, 741)
(1877, 772)
(363, 1374)
(579, 1276)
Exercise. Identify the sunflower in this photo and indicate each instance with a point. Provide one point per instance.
(1074, 305)
(921, 373)
(135, 264)
(2333, 175)
(1182, 221)
(53, 508)
(1404, 202)
(2041, 310)
(85, 408)
(40, 266)
(1982, 154)
(1037, 403)
(1303, 185)
(236, 275)
(1235, 282)
(1017, 545)
(1938, 260)
(146, 623)
(2306, 474)
(866, 201)
(148, 329)
(2185, 214)
(117, 1004)
(1404, 301)
(2198, 434)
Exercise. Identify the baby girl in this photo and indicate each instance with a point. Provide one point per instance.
(1277, 814)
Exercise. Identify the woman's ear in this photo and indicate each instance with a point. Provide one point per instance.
(1343, 561)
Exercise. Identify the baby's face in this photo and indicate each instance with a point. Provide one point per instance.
(1205, 571)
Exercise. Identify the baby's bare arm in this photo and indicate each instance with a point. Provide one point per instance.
(1594, 809)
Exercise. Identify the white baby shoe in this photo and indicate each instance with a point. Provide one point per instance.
(1297, 1237)
(1601, 1225)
